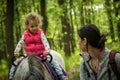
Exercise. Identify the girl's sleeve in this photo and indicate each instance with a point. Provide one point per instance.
(19, 45)
(45, 42)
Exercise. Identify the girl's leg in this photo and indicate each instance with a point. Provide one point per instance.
(57, 67)
(13, 68)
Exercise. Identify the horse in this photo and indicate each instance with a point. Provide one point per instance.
(31, 68)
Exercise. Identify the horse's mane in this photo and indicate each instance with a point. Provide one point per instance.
(35, 69)
(30, 68)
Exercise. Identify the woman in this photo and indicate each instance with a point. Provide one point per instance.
(95, 64)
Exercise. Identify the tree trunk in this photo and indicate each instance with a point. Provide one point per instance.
(17, 26)
(109, 14)
(116, 4)
(72, 40)
(66, 29)
(43, 13)
(82, 19)
(9, 31)
(3, 54)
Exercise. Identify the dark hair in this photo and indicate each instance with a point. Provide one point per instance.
(93, 35)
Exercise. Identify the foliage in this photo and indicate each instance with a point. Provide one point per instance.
(72, 61)
(76, 13)
(3, 68)
(75, 76)
(114, 46)
(72, 64)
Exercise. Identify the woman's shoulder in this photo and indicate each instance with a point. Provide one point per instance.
(117, 60)
(117, 56)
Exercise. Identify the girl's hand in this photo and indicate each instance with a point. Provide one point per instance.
(16, 54)
(65, 78)
(45, 53)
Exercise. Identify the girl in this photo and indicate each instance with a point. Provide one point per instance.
(36, 42)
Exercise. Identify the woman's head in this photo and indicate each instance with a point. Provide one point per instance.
(32, 22)
(90, 35)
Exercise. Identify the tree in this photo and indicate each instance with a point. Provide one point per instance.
(109, 14)
(3, 54)
(66, 28)
(43, 13)
(116, 5)
(9, 31)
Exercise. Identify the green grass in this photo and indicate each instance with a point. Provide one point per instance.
(73, 60)
(75, 76)
(72, 64)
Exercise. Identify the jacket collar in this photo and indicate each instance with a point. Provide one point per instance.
(87, 57)
(28, 32)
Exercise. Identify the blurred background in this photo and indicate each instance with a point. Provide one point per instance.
(61, 20)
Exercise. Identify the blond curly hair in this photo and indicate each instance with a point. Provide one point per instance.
(34, 17)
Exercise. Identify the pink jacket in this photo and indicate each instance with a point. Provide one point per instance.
(33, 43)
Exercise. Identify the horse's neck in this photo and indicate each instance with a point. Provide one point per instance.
(25, 66)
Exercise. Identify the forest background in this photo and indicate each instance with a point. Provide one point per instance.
(61, 20)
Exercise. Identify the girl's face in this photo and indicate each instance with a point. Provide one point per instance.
(33, 26)
(82, 43)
